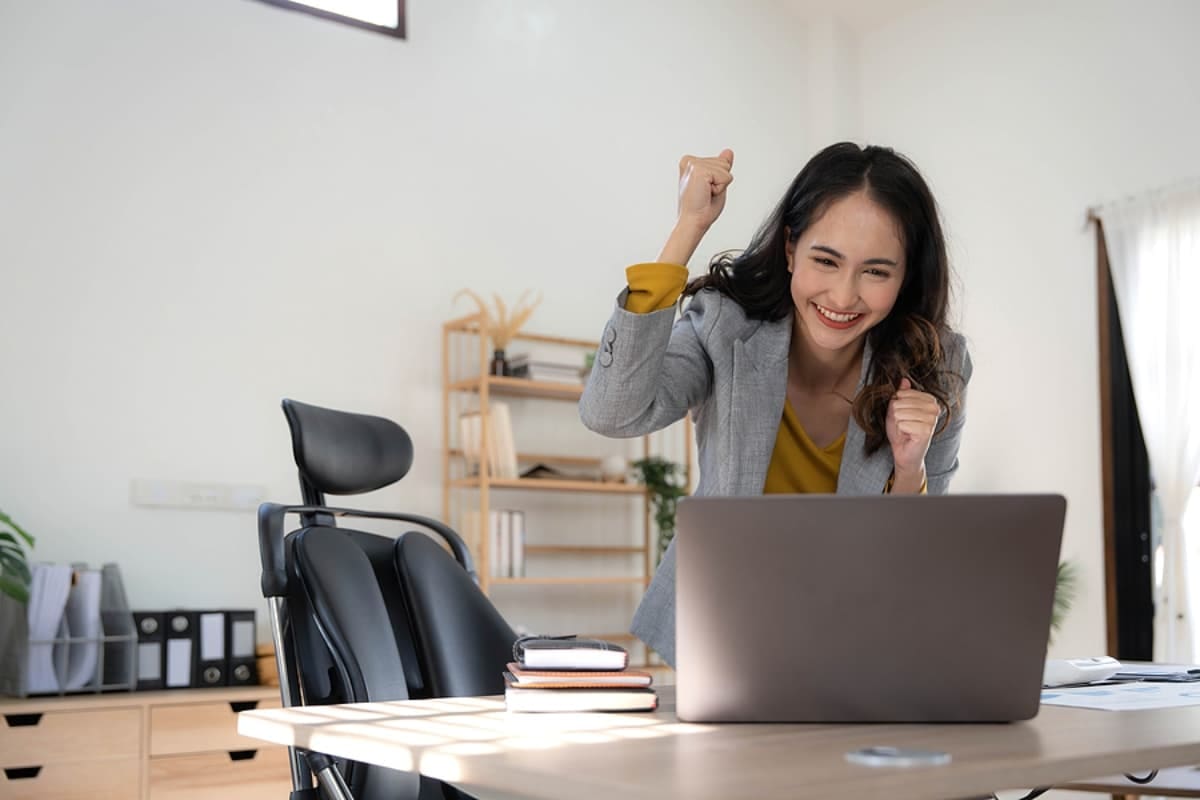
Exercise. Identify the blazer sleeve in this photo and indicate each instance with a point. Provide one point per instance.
(648, 372)
(941, 462)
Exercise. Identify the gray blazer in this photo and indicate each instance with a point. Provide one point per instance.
(731, 372)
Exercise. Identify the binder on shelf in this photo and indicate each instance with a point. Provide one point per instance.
(79, 652)
(211, 652)
(119, 654)
(240, 642)
(179, 649)
(151, 649)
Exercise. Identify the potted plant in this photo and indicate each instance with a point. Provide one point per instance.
(14, 570)
(1064, 595)
(501, 324)
(14, 594)
(666, 483)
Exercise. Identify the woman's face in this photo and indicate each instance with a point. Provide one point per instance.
(847, 269)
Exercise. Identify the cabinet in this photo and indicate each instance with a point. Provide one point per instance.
(589, 543)
(152, 745)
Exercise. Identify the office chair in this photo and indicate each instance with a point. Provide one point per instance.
(363, 617)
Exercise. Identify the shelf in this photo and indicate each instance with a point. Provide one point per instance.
(552, 485)
(591, 462)
(520, 387)
(564, 581)
(565, 550)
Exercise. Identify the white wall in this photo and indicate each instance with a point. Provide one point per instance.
(209, 206)
(1024, 114)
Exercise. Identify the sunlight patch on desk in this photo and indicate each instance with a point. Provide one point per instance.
(531, 743)
(443, 766)
(408, 738)
(584, 737)
(373, 751)
(441, 727)
(344, 712)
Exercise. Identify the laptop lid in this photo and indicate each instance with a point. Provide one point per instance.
(829, 608)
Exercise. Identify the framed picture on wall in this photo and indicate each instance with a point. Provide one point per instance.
(381, 16)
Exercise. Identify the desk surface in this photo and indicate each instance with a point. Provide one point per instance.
(476, 744)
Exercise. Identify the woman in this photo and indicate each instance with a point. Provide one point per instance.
(820, 359)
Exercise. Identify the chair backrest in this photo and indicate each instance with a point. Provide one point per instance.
(337, 593)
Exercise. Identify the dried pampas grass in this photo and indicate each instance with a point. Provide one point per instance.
(500, 324)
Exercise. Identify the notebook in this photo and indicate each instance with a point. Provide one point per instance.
(828, 608)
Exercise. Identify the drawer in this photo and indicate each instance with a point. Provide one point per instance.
(266, 776)
(54, 737)
(110, 780)
(201, 727)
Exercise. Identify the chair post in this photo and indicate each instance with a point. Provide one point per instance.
(333, 786)
(276, 612)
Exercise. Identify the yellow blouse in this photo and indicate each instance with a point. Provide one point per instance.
(797, 465)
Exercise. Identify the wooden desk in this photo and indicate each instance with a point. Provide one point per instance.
(474, 743)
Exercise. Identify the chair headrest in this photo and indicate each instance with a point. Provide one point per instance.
(343, 453)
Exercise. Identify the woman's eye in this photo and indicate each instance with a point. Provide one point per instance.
(825, 261)
(879, 273)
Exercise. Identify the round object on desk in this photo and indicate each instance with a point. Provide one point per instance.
(897, 757)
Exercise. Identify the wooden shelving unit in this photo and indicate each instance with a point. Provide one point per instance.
(466, 358)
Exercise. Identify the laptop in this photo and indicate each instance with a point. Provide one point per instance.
(828, 608)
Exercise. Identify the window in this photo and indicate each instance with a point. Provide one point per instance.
(382, 16)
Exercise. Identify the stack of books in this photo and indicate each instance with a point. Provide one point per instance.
(522, 366)
(573, 674)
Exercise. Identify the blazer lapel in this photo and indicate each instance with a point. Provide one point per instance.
(759, 390)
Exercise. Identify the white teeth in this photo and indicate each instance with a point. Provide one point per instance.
(833, 315)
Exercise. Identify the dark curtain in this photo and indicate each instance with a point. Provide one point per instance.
(1130, 504)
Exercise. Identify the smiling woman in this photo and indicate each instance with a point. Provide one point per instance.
(817, 360)
(382, 16)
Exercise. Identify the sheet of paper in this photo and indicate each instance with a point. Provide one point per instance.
(1125, 696)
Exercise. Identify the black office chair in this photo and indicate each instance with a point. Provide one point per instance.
(361, 617)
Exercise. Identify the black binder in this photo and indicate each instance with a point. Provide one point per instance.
(179, 663)
(211, 649)
(240, 639)
(151, 652)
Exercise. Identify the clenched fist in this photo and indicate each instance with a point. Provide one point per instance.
(702, 185)
(911, 419)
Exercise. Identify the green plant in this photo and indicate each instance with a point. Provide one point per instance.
(666, 483)
(1065, 587)
(14, 571)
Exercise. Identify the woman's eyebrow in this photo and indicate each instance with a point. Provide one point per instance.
(825, 249)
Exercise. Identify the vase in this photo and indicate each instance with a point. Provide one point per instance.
(499, 365)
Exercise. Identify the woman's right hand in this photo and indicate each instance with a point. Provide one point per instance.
(702, 185)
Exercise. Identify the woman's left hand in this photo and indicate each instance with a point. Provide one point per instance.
(911, 418)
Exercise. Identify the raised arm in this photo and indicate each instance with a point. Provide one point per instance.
(648, 372)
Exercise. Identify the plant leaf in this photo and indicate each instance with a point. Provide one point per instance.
(501, 312)
(486, 322)
(14, 589)
(7, 520)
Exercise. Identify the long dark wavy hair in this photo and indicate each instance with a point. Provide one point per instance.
(909, 342)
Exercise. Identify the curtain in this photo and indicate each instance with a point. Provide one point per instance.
(1154, 255)
(1128, 491)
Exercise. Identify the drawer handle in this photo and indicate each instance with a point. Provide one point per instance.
(21, 773)
(244, 705)
(242, 755)
(22, 720)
